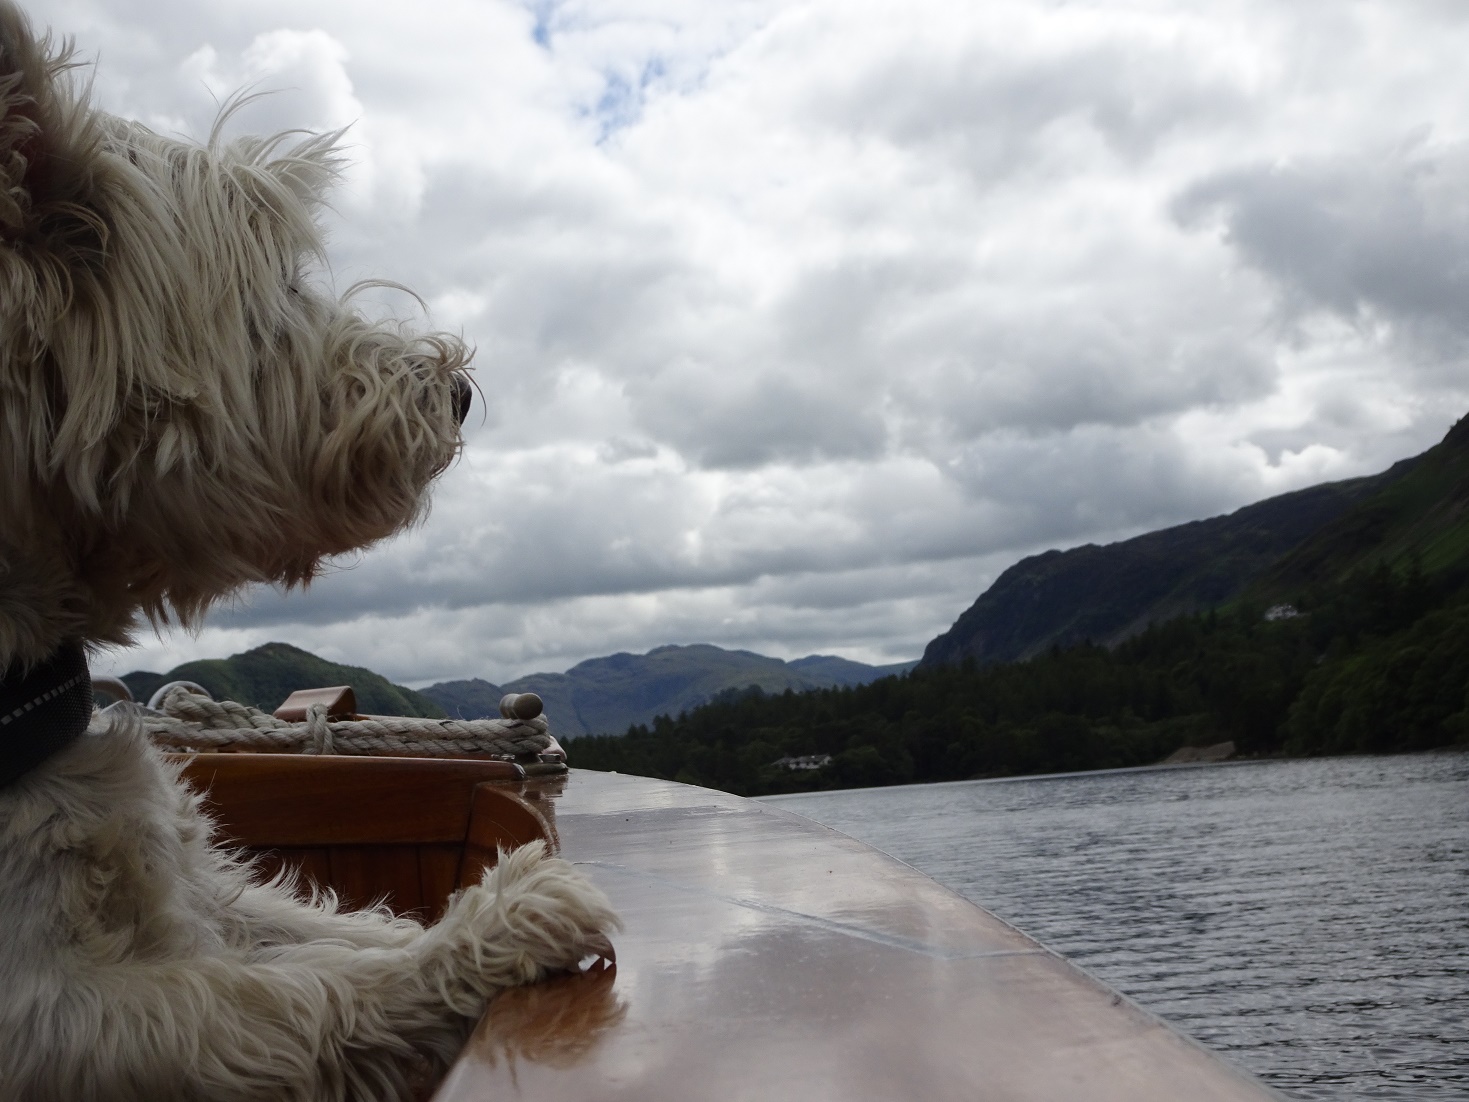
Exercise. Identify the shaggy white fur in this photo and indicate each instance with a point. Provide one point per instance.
(182, 413)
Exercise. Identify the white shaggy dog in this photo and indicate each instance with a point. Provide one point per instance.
(182, 414)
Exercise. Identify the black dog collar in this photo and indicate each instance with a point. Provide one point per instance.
(44, 712)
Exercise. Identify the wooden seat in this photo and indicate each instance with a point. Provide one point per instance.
(408, 831)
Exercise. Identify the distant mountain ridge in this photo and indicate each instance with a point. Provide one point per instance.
(1107, 594)
(599, 696)
(610, 694)
(265, 676)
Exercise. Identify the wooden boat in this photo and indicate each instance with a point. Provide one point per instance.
(764, 956)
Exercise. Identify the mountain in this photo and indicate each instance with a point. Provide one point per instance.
(268, 674)
(474, 698)
(829, 671)
(1420, 519)
(600, 695)
(609, 695)
(1109, 593)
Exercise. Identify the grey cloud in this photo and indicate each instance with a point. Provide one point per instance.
(608, 540)
(840, 322)
(529, 566)
(1059, 487)
(806, 384)
(1360, 236)
(620, 449)
(769, 419)
(991, 107)
(1042, 376)
(838, 591)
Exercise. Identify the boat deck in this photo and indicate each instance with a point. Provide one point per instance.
(768, 957)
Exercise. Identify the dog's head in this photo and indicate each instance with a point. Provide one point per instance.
(182, 412)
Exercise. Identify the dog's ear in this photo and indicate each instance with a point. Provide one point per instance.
(290, 179)
(46, 139)
(310, 168)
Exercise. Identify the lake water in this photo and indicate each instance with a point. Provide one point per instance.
(1310, 919)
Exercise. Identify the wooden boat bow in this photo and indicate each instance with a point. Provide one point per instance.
(768, 957)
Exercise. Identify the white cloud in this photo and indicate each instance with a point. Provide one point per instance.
(798, 322)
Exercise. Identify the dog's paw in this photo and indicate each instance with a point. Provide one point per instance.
(550, 911)
(532, 915)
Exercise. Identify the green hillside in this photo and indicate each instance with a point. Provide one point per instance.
(265, 676)
(1418, 521)
(1109, 593)
(608, 695)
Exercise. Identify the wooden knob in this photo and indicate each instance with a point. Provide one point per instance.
(520, 706)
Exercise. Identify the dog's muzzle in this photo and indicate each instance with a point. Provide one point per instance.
(462, 395)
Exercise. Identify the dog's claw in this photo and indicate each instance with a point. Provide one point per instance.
(602, 951)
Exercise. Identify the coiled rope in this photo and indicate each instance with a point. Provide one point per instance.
(183, 719)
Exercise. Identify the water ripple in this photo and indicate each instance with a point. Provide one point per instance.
(1309, 918)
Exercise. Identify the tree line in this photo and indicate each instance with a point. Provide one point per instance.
(1377, 663)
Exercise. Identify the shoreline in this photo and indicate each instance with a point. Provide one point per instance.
(1158, 767)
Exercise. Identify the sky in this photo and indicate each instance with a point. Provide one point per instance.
(799, 322)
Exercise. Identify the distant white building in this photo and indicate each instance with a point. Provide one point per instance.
(805, 761)
(1281, 612)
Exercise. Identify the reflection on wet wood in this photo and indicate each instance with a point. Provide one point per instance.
(766, 957)
(557, 1024)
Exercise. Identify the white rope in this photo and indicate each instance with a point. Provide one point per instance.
(186, 720)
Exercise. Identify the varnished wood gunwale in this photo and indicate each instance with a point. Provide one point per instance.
(766, 957)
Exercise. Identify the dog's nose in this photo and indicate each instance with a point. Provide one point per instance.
(462, 395)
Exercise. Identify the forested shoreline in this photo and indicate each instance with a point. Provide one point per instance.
(1376, 663)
